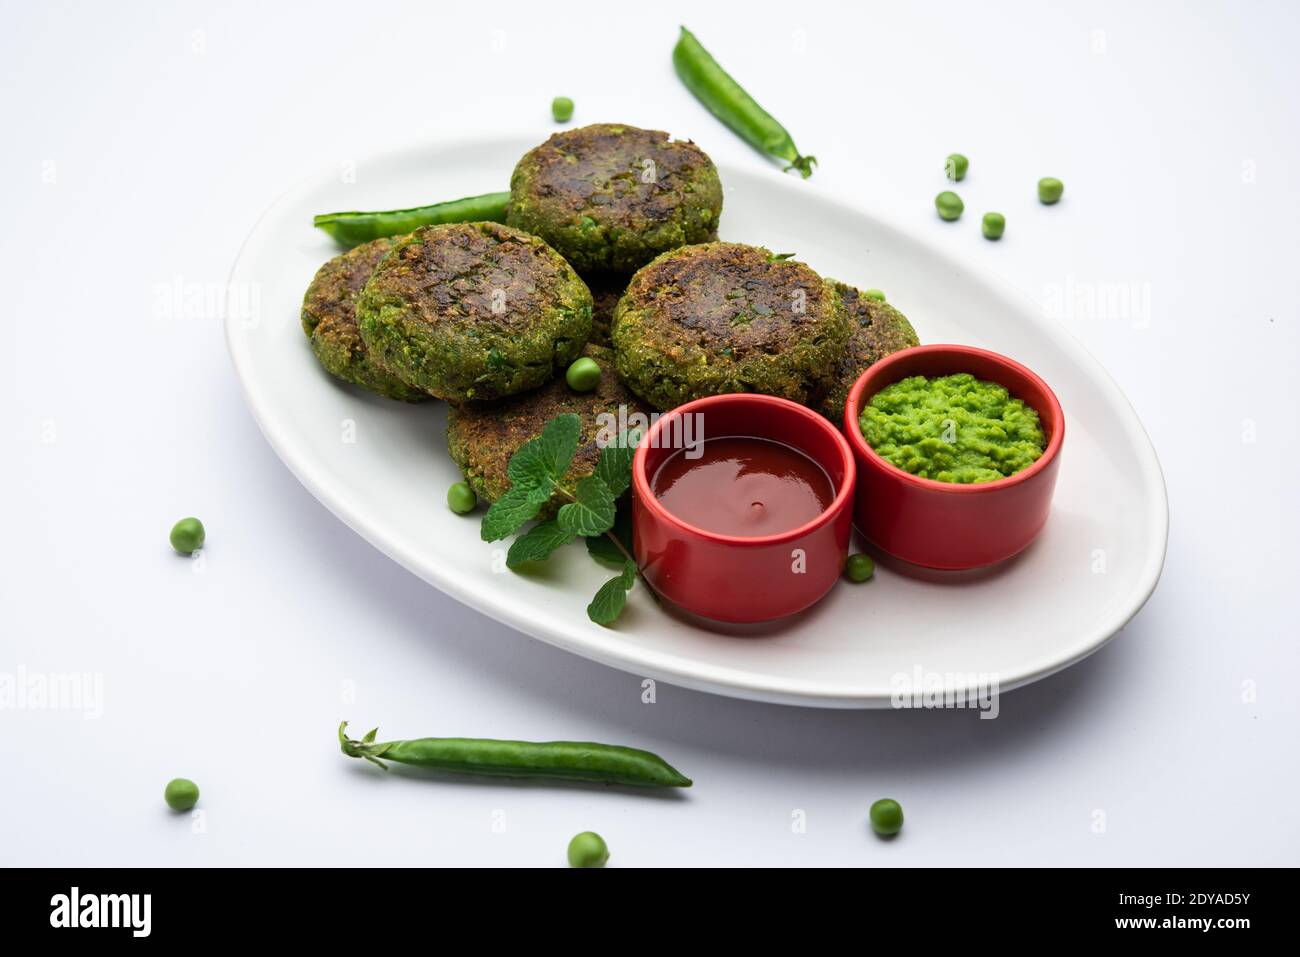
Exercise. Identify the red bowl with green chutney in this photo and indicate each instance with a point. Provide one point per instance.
(947, 525)
(756, 525)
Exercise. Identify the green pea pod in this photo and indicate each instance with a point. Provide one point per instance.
(352, 229)
(561, 760)
(727, 100)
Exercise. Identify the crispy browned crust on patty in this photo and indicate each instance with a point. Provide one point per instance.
(612, 196)
(482, 436)
(329, 318)
(727, 317)
(474, 311)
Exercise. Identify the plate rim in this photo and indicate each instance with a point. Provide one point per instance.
(648, 662)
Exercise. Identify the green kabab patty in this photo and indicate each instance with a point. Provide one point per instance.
(482, 436)
(726, 317)
(329, 319)
(612, 197)
(474, 311)
(878, 329)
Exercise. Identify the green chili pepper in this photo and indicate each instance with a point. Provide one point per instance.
(352, 229)
(563, 760)
(728, 101)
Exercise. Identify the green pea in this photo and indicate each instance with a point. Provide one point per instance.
(188, 536)
(994, 225)
(954, 167)
(181, 794)
(461, 499)
(875, 295)
(562, 109)
(886, 817)
(859, 567)
(949, 205)
(583, 375)
(1049, 190)
(588, 849)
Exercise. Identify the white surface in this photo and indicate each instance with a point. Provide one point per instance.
(378, 466)
(1178, 148)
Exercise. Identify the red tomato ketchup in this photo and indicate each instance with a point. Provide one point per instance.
(743, 486)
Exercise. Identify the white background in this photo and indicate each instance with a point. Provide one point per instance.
(142, 141)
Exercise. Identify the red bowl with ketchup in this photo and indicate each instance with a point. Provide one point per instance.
(742, 506)
(942, 524)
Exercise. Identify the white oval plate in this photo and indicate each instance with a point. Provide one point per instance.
(1042, 611)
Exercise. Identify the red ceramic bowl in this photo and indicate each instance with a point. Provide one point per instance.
(942, 524)
(733, 578)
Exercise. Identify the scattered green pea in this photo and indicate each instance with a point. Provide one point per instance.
(949, 205)
(994, 225)
(886, 817)
(1049, 190)
(875, 294)
(181, 794)
(461, 499)
(188, 536)
(588, 849)
(562, 109)
(859, 567)
(955, 166)
(583, 375)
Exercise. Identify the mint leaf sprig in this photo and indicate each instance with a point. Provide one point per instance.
(537, 471)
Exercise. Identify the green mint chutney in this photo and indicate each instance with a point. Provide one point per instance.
(954, 428)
